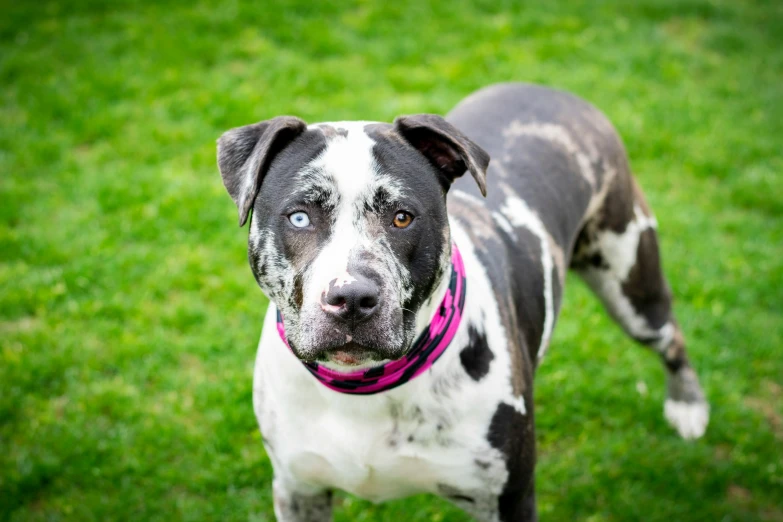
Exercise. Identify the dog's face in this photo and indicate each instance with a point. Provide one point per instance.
(349, 235)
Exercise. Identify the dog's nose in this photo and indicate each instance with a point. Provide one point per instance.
(353, 302)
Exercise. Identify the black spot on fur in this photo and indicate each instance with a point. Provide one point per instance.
(331, 132)
(381, 202)
(476, 356)
(598, 261)
(527, 289)
(298, 290)
(585, 255)
(674, 365)
(617, 210)
(454, 494)
(518, 505)
(257, 264)
(482, 464)
(512, 434)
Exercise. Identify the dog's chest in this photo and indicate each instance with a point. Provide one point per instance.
(382, 455)
(429, 436)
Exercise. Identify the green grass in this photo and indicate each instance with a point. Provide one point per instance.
(129, 316)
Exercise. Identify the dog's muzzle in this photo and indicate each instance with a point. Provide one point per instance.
(425, 350)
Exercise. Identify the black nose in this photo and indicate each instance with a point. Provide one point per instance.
(353, 302)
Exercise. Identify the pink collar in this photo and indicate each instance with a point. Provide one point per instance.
(425, 350)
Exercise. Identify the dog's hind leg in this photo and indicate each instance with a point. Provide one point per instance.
(293, 506)
(617, 256)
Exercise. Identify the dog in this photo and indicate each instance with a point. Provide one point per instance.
(410, 305)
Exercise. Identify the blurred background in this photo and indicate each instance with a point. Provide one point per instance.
(129, 317)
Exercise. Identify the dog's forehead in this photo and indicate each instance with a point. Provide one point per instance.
(348, 157)
(348, 166)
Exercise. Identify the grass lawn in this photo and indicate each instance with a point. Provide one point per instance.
(129, 317)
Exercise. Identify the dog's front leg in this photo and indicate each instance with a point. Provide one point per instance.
(509, 507)
(295, 506)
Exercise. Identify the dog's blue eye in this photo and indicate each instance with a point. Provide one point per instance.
(299, 219)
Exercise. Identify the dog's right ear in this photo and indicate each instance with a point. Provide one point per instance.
(244, 155)
(447, 149)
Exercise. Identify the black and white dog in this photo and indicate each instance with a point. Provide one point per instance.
(398, 352)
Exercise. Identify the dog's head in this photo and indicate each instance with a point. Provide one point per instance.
(349, 235)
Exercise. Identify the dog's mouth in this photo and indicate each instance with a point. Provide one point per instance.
(351, 356)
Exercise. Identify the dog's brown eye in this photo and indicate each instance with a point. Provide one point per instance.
(402, 220)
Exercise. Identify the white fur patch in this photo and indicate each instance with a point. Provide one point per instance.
(560, 135)
(690, 419)
(349, 163)
(620, 252)
(621, 248)
(666, 335)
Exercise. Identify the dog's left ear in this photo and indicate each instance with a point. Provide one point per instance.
(449, 151)
(245, 153)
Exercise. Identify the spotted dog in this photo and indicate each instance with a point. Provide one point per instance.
(410, 305)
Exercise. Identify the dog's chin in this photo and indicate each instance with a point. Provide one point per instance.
(352, 356)
(349, 352)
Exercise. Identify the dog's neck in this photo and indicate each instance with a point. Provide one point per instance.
(428, 310)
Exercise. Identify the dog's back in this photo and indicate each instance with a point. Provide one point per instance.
(553, 150)
(557, 166)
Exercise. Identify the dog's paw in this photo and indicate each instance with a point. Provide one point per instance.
(690, 419)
